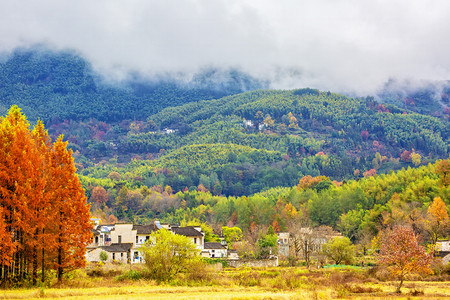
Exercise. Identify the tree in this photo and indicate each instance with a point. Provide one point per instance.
(42, 204)
(99, 195)
(443, 170)
(340, 249)
(7, 247)
(114, 176)
(103, 256)
(167, 254)
(437, 219)
(416, 158)
(71, 225)
(232, 234)
(267, 244)
(402, 254)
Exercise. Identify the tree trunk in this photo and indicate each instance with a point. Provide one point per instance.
(400, 285)
(43, 262)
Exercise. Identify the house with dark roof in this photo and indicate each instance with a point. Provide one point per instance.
(214, 250)
(443, 248)
(122, 242)
(194, 233)
(142, 235)
(115, 253)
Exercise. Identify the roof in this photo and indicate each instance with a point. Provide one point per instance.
(116, 247)
(443, 254)
(186, 231)
(213, 245)
(145, 229)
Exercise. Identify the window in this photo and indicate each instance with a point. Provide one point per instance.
(147, 238)
(114, 256)
(120, 239)
(195, 240)
(96, 239)
(121, 254)
(137, 239)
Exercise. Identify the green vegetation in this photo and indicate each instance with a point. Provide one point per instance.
(340, 250)
(58, 86)
(125, 282)
(167, 254)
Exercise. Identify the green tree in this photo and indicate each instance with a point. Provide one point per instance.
(267, 244)
(340, 249)
(167, 254)
(232, 234)
(103, 256)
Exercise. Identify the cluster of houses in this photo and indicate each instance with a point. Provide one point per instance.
(122, 242)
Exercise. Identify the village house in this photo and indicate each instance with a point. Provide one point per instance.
(443, 248)
(283, 243)
(194, 233)
(214, 250)
(115, 252)
(122, 242)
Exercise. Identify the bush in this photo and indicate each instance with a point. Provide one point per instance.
(170, 255)
(130, 275)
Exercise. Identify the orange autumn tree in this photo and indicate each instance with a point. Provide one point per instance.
(402, 254)
(21, 199)
(32, 195)
(71, 226)
(437, 220)
(7, 247)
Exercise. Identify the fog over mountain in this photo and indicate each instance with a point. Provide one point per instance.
(344, 46)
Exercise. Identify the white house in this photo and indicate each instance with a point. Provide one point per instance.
(115, 252)
(194, 233)
(444, 250)
(214, 250)
(121, 242)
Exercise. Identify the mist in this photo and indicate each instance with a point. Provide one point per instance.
(352, 47)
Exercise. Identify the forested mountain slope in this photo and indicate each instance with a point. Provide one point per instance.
(285, 134)
(61, 86)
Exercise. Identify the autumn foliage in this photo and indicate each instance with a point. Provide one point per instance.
(402, 254)
(44, 219)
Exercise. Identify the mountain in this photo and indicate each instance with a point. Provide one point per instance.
(57, 86)
(220, 128)
(257, 140)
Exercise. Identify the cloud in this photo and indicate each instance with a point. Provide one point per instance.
(346, 46)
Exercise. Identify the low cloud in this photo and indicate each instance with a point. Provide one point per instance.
(345, 46)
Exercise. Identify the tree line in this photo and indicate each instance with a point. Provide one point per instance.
(44, 218)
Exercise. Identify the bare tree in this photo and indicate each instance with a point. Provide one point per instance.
(306, 241)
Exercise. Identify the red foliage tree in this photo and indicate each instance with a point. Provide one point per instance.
(99, 195)
(406, 156)
(402, 254)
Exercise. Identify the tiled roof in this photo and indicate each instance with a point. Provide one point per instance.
(213, 245)
(145, 229)
(443, 253)
(186, 231)
(119, 247)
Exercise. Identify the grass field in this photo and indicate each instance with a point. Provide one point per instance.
(113, 282)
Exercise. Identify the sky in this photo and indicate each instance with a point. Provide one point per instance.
(351, 46)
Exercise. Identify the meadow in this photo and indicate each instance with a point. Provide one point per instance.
(130, 282)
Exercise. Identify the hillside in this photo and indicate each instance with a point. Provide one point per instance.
(313, 133)
(58, 86)
(205, 131)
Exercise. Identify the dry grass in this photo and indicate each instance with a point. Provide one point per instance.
(129, 282)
